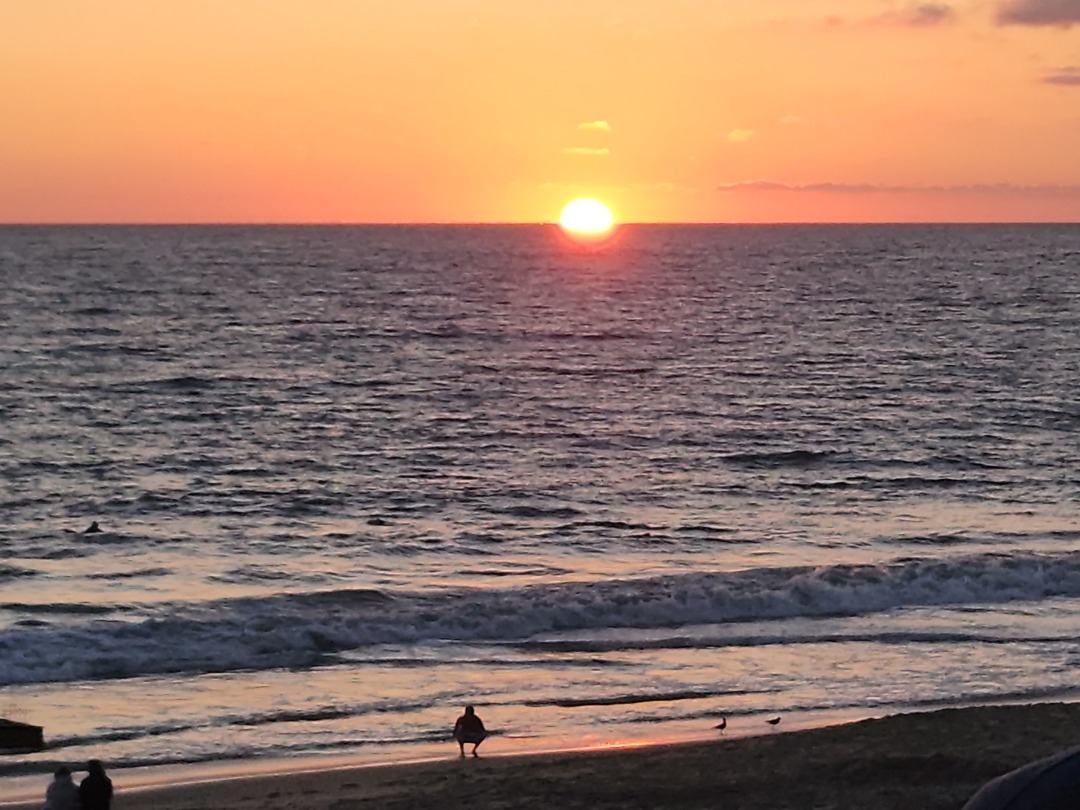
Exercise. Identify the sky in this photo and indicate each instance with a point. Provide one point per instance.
(427, 111)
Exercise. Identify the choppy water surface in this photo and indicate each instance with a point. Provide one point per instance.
(352, 478)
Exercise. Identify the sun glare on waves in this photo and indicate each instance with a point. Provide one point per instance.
(586, 218)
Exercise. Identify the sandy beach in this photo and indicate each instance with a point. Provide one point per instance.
(933, 761)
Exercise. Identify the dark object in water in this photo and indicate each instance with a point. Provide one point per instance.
(15, 736)
(93, 528)
(1048, 784)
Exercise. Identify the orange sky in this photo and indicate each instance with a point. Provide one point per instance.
(502, 110)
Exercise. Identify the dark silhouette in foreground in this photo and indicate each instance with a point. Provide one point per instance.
(722, 724)
(1047, 784)
(469, 728)
(93, 528)
(62, 793)
(95, 791)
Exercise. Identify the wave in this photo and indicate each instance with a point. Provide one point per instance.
(855, 459)
(525, 511)
(959, 538)
(249, 574)
(157, 756)
(782, 458)
(864, 706)
(708, 640)
(141, 573)
(636, 698)
(72, 608)
(305, 630)
(901, 484)
(14, 572)
(184, 383)
(588, 372)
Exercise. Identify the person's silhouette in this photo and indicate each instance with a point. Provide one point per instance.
(96, 790)
(469, 728)
(62, 793)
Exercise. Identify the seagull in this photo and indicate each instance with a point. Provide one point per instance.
(772, 721)
(722, 724)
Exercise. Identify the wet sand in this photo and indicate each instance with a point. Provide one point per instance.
(932, 761)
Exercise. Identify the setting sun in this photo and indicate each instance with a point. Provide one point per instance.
(586, 218)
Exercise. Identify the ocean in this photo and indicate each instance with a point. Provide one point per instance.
(351, 479)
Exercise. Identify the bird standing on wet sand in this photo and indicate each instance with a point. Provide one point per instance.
(722, 724)
(773, 721)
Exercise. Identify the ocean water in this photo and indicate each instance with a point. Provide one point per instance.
(350, 479)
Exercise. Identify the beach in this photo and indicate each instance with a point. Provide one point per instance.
(929, 760)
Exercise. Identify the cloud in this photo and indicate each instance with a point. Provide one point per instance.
(1039, 12)
(874, 188)
(595, 126)
(912, 15)
(771, 185)
(1067, 76)
(595, 151)
(740, 135)
(921, 15)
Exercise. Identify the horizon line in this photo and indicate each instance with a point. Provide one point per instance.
(492, 223)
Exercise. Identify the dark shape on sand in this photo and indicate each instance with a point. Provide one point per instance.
(1047, 784)
(93, 528)
(469, 728)
(773, 721)
(722, 724)
(96, 790)
(15, 736)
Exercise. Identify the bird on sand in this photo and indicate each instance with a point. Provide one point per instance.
(772, 721)
(722, 724)
(93, 528)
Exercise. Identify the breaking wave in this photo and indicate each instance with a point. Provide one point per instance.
(303, 630)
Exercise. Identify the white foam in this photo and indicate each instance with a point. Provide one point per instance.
(302, 630)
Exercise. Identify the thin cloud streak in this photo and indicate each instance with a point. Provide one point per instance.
(1066, 77)
(873, 188)
(921, 15)
(595, 126)
(1062, 13)
(913, 15)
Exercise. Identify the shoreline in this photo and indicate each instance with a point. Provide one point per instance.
(934, 759)
(17, 790)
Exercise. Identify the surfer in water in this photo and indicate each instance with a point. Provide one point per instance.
(469, 728)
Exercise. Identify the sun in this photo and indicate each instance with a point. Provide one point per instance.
(585, 218)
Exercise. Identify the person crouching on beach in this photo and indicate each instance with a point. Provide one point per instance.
(95, 791)
(469, 728)
(62, 793)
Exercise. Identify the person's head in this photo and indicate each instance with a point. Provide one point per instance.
(469, 710)
(62, 772)
(95, 767)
